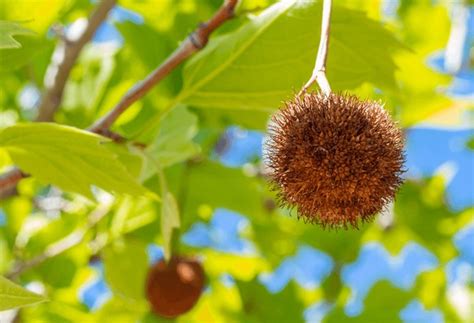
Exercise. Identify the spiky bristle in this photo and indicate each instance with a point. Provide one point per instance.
(336, 159)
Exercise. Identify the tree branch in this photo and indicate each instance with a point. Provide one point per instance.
(319, 71)
(195, 42)
(63, 245)
(63, 59)
(8, 182)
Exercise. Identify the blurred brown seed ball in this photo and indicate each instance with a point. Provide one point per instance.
(336, 159)
(174, 288)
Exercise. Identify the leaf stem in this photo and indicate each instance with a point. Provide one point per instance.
(170, 227)
(319, 71)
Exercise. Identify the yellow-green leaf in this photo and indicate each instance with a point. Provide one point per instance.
(68, 157)
(13, 296)
(7, 30)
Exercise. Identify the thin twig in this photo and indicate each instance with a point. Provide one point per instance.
(195, 42)
(63, 245)
(63, 60)
(8, 182)
(319, 71)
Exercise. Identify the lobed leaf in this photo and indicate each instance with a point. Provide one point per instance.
(270, 57)
(7, 30)
(70, 158)
(173, 142)
(125, 268)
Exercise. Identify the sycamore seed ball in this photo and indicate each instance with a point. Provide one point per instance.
(174, 288)
(336, 159)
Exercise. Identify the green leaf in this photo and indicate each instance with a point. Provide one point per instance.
(86, 87)
(7, 30)
(58, 278)
(420, 96)
(271, 56)
(131, 214)
(174, 17)
(70, 158)
(470, 143)
(259, 305)
(383, 304)
(125, 268)
(279, 234)
(127, 156)
(13, 58)
(173, 142)
(121, 310)
(13, 296)
(222, 118)
(436, 234)
(211, 184)
(169, 209)
(17, 52)
(40, 15)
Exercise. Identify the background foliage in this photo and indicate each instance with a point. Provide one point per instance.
(198, 189)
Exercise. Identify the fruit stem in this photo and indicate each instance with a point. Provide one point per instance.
(319, 71)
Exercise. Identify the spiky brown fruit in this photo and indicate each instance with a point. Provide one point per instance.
(336, 159)
(174, 288)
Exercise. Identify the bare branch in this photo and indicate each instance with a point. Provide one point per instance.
(196, 41)
(8, 182)
(63, 245)
(64, 57)
(319, 71)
